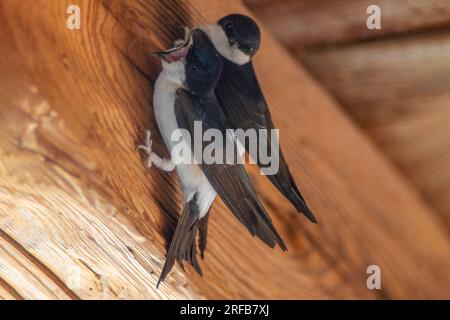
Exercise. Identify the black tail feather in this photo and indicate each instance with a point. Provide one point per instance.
(182, 246)
(284, 182)
(203, 232)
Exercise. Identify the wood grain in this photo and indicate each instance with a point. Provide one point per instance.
(301, 24)
(399, 92)
(393, 82)
(76, 198)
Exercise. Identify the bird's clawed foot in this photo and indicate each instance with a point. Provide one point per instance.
(153, 158)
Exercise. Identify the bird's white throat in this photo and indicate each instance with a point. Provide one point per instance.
(220, 41)
(175, 72)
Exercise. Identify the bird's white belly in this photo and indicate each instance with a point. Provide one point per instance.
(191, 176)
(164, 109)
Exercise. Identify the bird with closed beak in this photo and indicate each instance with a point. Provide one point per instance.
(237, 38)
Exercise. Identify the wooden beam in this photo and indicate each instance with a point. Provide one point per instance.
(76, 196)
(301, 24)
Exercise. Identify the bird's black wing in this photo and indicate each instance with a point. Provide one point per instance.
(230, 181)
(244, 106)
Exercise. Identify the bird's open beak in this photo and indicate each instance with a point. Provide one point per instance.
(179, 52)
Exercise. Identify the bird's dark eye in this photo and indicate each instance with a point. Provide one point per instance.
(229, 26)
(194, 67)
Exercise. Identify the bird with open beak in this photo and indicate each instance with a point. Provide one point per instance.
(184, 94)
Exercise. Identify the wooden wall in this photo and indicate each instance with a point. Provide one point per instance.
(394, 82)
(81, 217)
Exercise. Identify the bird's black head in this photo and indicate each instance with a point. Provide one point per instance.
(241, 31)
(203, 64)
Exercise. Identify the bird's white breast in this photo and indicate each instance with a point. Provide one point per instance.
(169, 81)
(191, 176)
